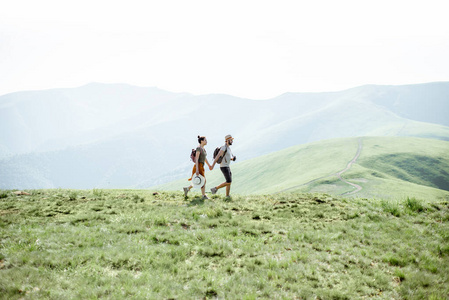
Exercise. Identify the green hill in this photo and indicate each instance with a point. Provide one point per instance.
(387, 167)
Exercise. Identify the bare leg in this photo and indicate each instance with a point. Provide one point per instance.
(228, 189)
(223, 185)
(203, 188)
(187, 190)
(227, 185)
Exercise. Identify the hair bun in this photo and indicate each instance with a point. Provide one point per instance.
(199, 137)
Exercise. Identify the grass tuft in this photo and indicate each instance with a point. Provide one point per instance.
(414, 205)
(391, 208)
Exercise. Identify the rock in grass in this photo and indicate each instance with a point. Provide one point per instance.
(20, 193)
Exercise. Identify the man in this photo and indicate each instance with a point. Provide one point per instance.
(225, 151)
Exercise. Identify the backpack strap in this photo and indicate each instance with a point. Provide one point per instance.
(224, 153)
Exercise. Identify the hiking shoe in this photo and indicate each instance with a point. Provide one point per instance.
(213, 190)
(205, 197)
(186, 190)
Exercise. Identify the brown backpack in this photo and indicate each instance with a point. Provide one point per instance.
(216, 151)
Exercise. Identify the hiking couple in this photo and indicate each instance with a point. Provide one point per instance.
(200, 158)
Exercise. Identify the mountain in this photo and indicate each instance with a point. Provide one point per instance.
(420, 102)
(39, 121)
(383, 167)
(119, 136)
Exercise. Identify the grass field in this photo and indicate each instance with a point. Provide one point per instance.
(133, 244)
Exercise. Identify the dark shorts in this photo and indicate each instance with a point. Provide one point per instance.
(227, 173)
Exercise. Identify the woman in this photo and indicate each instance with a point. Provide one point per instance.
(198, 168)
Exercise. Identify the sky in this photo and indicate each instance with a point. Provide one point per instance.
(251, 49)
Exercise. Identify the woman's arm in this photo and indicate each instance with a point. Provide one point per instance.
(196, 162)
(207, 162)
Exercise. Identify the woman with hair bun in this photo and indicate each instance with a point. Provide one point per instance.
(198, 168)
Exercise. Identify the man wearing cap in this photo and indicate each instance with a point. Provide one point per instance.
(225, 151)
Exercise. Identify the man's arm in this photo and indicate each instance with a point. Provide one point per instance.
(217, 157)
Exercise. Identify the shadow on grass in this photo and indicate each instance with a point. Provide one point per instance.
(196, 201)
(227, 199)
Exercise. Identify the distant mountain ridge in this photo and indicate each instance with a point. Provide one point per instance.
(117, 135)
(420, 102)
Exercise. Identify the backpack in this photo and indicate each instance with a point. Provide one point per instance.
(193, 155)
(216, 151)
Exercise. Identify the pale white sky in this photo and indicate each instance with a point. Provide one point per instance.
(255, 49)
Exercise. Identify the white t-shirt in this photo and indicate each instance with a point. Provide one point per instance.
(227, 157)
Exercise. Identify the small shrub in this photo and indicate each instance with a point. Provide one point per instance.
(430, 266)
(3, 195)
(443, 250)
(211, 252)
(319, 215)
(97, 192)
(214, 213)
(250, 232)
(395, 261)
(138, 199)
(73, 195)
(210, 293)
(161, 221)
(414, 205)
(374, 217)
(352, 215)
(392, 208)
(400, 274)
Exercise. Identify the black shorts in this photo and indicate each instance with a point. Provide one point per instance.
(227, 173)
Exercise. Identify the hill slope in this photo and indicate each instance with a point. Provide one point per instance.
(387, 167)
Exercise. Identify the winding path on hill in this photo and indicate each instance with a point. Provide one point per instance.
(357, 187)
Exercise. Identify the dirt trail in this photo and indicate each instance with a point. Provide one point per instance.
(357, 187)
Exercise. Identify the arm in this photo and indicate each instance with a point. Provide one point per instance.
(217, 157)
(196, 162)
(210, 166)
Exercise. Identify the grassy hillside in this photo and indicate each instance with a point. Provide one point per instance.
(387, 167)
(283, 169)
(403, 167)
(125, 244)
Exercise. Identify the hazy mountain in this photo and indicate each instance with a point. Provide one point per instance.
(109, 135)
(421, 102)
(47, 120)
